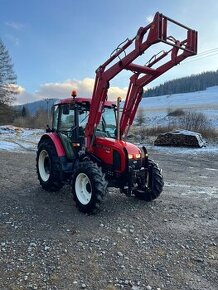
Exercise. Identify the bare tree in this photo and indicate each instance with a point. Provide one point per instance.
(7, 77)
(140, 117)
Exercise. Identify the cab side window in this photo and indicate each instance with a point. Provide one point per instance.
(66, 121)
(55, 118)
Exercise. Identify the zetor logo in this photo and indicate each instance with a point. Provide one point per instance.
(103, 147)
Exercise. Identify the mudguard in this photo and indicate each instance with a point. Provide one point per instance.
(56, 141)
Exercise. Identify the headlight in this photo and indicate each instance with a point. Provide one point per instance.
(134, 156)
(130, 156)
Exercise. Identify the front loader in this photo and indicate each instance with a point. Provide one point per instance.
(86, 145)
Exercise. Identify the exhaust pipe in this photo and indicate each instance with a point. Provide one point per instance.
(118, 117)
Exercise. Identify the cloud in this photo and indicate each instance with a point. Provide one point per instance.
(115, 92)
(14, 25)
(16, 88)
(23, 96)
(19, 89)
(63, 90)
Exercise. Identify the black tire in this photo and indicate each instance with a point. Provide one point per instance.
(155, 184)
(88, 186)
(48, 167)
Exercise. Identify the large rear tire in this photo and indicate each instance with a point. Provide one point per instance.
(48, 167)
(154, 186)
(88, 186)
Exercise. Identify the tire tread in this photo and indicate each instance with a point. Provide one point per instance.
(99, 185)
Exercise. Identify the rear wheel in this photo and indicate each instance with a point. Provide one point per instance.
(154, 186)
(88, 186)
(48, 167)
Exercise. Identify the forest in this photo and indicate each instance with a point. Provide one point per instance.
(193, 83)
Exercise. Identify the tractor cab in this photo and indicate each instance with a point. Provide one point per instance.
(70, 119)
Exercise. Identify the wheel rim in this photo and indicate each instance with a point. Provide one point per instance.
(83, 188)
(44, 165)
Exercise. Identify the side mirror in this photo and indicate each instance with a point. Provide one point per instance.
(48, 129)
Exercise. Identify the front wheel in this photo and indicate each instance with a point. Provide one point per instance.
(88, 186)
(154, 184)
(48, 167)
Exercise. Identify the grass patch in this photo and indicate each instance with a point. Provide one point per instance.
(176, 112)
(180, 120)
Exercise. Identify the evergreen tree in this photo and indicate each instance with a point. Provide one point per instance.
(192, 83)
(7, 77)
(24, 112)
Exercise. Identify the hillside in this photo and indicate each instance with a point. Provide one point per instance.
(188, 84)
(206, 101)
(32, 108)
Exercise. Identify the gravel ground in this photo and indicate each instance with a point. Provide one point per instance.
(171, 243)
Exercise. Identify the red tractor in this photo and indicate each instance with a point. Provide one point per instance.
(86, 145)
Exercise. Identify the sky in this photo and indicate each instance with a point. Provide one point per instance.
(57, 45)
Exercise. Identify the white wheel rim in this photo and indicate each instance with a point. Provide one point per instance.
(83, 188)
(43, 162)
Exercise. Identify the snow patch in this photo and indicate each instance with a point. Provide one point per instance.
(19, 139)
(157, 108)
(8, 146)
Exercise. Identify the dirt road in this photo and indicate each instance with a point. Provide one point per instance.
(171, 243)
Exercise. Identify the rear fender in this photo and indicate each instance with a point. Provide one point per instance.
(54, 138)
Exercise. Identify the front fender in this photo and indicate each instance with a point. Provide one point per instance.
(56, 141)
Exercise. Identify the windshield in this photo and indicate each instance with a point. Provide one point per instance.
(107, 125)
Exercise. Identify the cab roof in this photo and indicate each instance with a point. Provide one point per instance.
(82, 100)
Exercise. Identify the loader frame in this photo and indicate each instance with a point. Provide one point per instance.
(155, 32)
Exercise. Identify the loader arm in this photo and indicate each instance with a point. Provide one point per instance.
(155, 32)
(138, 81)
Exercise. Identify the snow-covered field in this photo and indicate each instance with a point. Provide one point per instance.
(156, 110)
(17, 139)
(25, 140)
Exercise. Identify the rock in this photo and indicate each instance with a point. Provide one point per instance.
(136, 288)
(120, 254)
(181, 138)
(32, 244)
(197, 259)
(119, 230)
